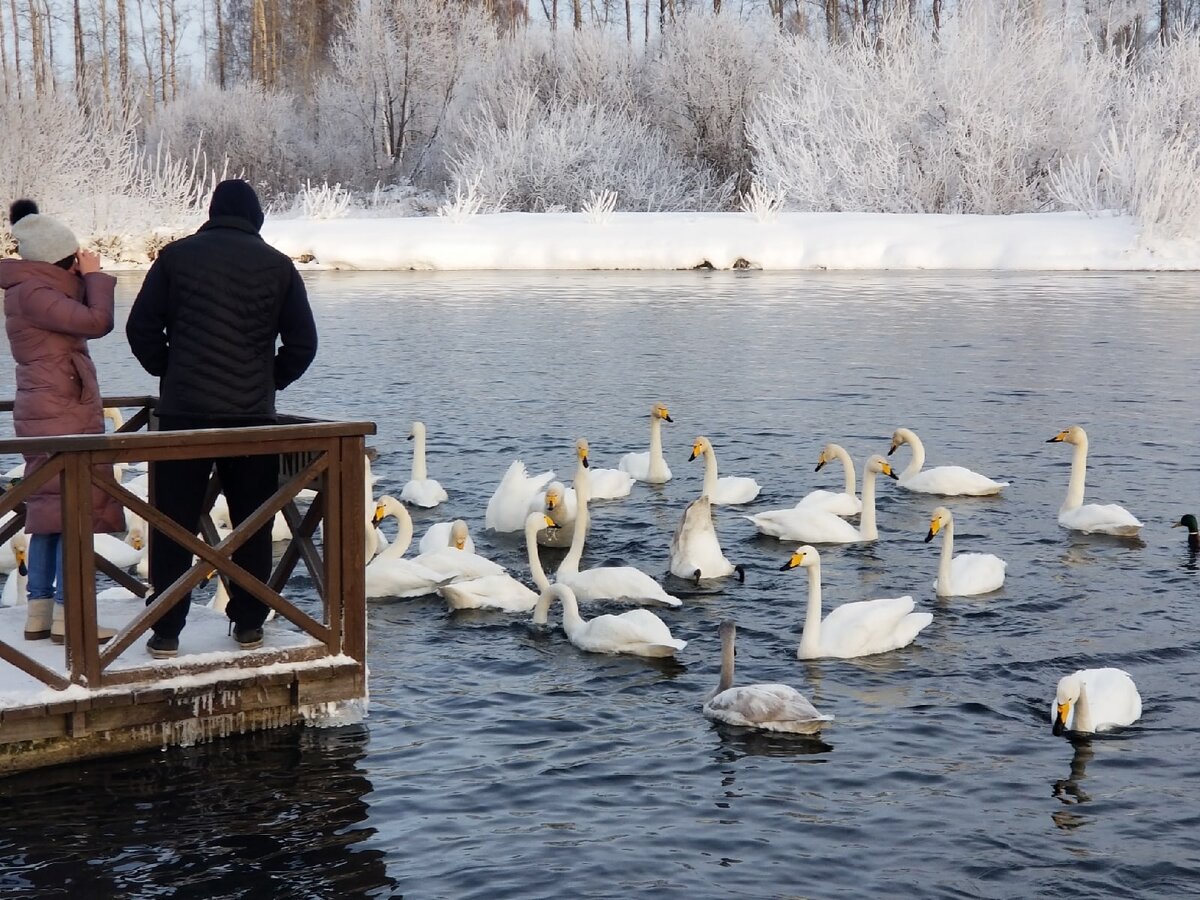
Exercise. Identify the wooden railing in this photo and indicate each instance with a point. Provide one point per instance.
(328, 456)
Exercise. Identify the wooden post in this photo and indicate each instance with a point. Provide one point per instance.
(352, 548)
(79, 580)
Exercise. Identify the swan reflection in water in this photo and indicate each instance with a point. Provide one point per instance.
(1068, 789)
(244, 817)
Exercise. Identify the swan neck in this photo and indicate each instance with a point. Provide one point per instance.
(535, 558)
(848, 468)
(710, 474)
(726, 681)
(1083, 711)
(943, 579)
(810, 642)
(583, 490)
(918, 455)
(572, 621)
(404, 534)
(867, 529)
(1078, 477)
(419, 472)
(656, 454)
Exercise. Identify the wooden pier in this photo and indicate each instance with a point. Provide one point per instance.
(100, 700)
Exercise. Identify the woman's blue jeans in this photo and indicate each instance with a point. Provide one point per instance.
(45, 566)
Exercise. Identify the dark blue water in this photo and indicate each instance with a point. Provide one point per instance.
(499, 761)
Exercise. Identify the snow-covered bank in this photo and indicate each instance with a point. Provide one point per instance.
(662, 241)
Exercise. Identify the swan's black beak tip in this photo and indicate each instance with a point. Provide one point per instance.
(23, 570)
(693, 456)
(1057, 730)
(409, 438)
(668, 419)
(929, 537)
(819, 467)
(1053, 440)
(586, 464)
(787, 565)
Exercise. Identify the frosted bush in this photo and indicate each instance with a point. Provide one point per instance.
(537, 156)
(973, 121)
(323, 201)
(598, 209)
(465, 204)
(763, 203)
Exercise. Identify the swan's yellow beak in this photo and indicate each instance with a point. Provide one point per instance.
(1061, 436)
(889, 472)
(379, 514)
(697, 450)
(551, 500)
(1060, 720)
(895, 445)
(582, 452)
(460, 544)
(796, 560)
(550, 523)
(660, 412)
(934, 527)
(821, 460)
(22, 568)
(136, 542)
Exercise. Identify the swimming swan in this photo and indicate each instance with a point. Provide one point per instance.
(695, 549)
(622, 583)
(439, 535)
(767, 707)
(967, 574)
(502, 592)
(638, 632)
(731, 490)
(650, 467)
(1092, 700)
(1074, 514)
(389, 574)
(949, 481)
(843, 503)
(509, 505)
(856, 629)
(607, 484)
(816, 526)
(560, 504)
(421, 490)
(455, 560)
(16, 590)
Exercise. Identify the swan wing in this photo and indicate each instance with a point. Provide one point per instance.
(509, 504)
(1112, 696)
(1101, 518)
(837, 502)
(438, 538)
(976, 573)
(610, 484)
(772, 707)
(620, 583)
(425, 493)
(802, 523)
(501, 592)
(871, 626)
(637, 631)
(450, 561)
(638, 465)
(401, 578)
(952, 481)
(733, 490)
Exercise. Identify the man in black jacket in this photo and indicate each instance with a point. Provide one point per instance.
(205, 323)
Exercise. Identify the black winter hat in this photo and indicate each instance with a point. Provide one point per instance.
(235, 197)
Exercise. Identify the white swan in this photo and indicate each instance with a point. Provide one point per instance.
(16, 592)
(856, 629)
(949, 481)
(638, 632)
(223, 522)
(816, 526)
(650, 467)
(967, 574)
(695, 549)
(607, 484)
(421, 490)
(623, 583)
(441, 534)
(389, 574)
(767, 707)
(1092, 700)
(840, 503)
(455, 560)
(123, 554)
(8, 557)
(1105, 518)
(509, 505)
(558, 502)
(730, 490)
(503, 592)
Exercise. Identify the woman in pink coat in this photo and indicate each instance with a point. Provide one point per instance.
(55, 298)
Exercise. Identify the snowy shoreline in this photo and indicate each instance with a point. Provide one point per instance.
(677, 241)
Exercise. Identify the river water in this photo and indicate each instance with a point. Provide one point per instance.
(500, 761)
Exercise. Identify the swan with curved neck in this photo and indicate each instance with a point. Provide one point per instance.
(421, 490)
(767, 707)
(606, 484)
(856, 629)
(650, 467)
(845, 503)
(1103, 518)
(1091, 700)
(621, 583)
(503, 592)
(695, 549)
(638, 632)
(967, 574)
(816, 526)
(731, 490)
(389, 574)
(948, 481)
